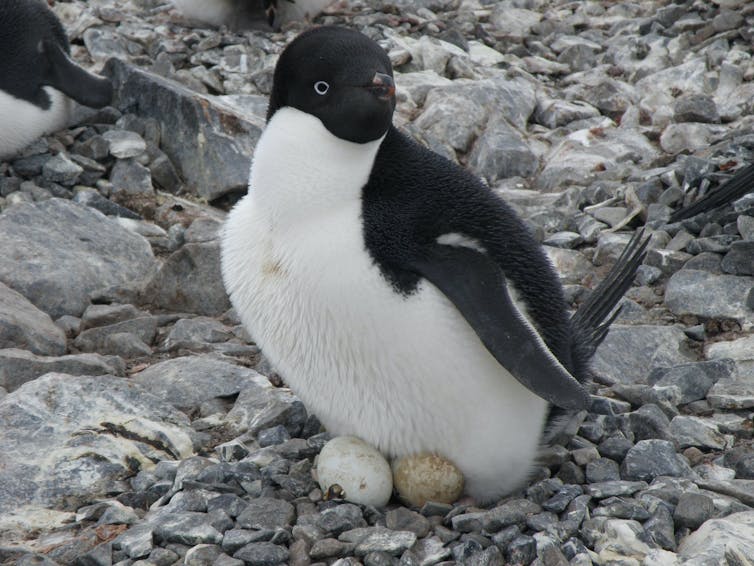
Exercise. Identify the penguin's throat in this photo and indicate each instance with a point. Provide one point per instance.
(302, 168)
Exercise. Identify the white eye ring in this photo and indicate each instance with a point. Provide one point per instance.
(321, 87)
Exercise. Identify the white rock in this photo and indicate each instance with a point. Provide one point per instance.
(359, 469)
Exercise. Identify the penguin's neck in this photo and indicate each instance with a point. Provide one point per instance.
(300, 169)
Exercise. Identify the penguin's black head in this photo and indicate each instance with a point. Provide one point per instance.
(340, 76)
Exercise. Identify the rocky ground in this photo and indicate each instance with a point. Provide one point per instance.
(141, 426)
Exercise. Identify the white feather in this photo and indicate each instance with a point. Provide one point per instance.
(22, 122)
(406, 374)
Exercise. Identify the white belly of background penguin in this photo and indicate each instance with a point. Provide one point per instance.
(37, 77)
(384, 281)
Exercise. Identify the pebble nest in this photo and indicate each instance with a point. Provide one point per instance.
(142, 426)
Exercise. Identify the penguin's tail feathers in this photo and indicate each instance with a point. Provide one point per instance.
(593, 318)
(737, 186)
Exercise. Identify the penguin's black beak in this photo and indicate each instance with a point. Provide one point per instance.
(382, 86)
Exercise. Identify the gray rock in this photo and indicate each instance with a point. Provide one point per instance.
(136, 542)
(186, 528)
(695, 108)
(709, 295)
(661, 528)
(651, 458)
(621, 508)
(93, 198)
(337, 520)
(96, 432)
(96, 339)
(667, 261)
(188, 381)
(711, 543)
(571, 265)
(193, 332)
(380, 539)
(103, 253)
(258, 408)
(522, 550)
(696, 431)
(22, 325)
(60, 169)
(455, 113)
(262, 554)
(403, 519)
(693, 381)
(203, 230)
(189, 281)
(266, 513)
(602, 470)
(124, 144)
(692, 510)
(501, 152)
(104, 315)
(661, 346)
(731, 394)
(130, 180)
(553, 112)
(689, 136)
(740, 259)
(209, 143)
(19, 366)
(650, 422)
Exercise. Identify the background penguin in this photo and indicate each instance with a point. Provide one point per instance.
(37, 75)
(250, 14)
(399, 297)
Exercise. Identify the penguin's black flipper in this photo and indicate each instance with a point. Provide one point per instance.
(476, 285)
(70, 79)
(592, 321)
(737, 186)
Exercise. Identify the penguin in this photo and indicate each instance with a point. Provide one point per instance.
(38, 79)
(250, 14)
(399, 297)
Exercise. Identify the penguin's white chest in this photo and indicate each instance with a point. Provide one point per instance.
(22, 122)
(405, 373)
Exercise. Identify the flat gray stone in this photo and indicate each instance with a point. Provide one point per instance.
(22, 325)
(696, 431)
(266, 513)
(89, 435)
(651, 458)
(209, 143)
(660, 346)
(56, 253)
(190, 281)
(188, 381)
(124, 143)
(96, 339)
(19, 366)
(708, 295)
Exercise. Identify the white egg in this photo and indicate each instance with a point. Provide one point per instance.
(358, 469)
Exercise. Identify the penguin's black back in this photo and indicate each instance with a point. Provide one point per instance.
(414, 195)
(24, 24)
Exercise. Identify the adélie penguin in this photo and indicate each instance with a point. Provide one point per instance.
(37, 75)
(400, 298)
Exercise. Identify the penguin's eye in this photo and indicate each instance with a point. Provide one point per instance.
(321, 87)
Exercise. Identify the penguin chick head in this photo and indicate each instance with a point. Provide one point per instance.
(340, 76)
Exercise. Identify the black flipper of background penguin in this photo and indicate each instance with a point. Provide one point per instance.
(34, 53)
(70, 79)
(475, 284)
(737, 186)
